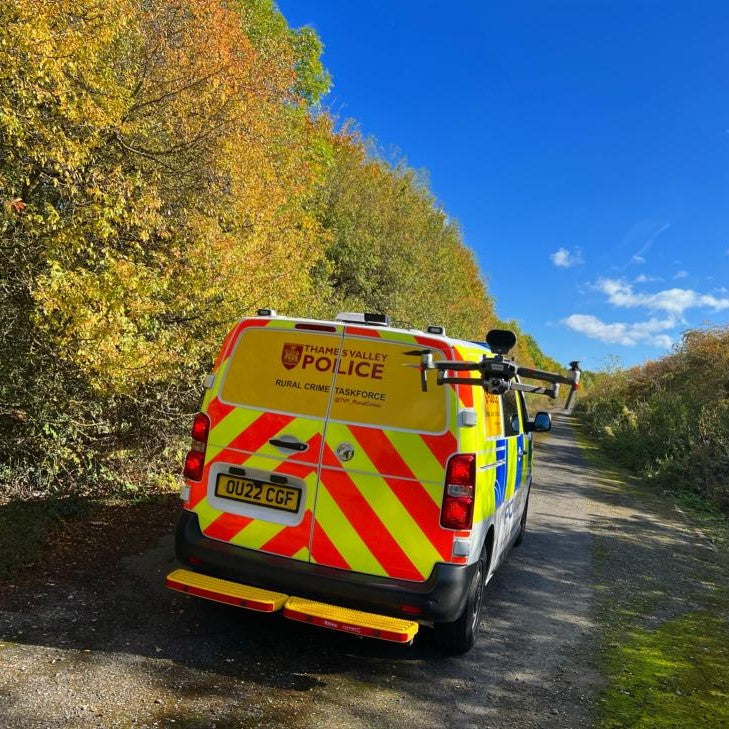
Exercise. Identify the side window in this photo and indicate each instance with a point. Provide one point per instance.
(511, 413)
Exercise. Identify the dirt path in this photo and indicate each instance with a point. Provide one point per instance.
(113, 648)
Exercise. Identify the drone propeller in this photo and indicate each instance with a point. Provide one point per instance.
(426, 363)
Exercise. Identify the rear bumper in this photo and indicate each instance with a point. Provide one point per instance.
(441, 597)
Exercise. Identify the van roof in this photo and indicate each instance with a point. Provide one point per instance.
(450, 341)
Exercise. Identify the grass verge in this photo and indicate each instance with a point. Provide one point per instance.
(676, 675)
(661, 569)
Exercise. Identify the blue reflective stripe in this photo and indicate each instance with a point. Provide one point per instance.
(519, 461)
(500, 482)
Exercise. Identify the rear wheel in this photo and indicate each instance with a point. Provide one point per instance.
(460, 635)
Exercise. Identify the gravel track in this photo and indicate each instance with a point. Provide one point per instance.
(113, 648)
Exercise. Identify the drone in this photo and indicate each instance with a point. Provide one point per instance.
(497, 374)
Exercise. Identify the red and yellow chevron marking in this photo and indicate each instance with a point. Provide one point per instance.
(411, 492)
(290, 541)
(226, 526)
(255, 437)
(328, 553)
(359, 512)
(246, 431)
(383, 454)
(380, 500)
(217, 410)
(441, 446)
(402, 454)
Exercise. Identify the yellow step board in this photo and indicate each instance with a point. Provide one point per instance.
(230, 593)
(350, 621)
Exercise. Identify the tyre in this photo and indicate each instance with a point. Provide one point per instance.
(522, 524)
(460, 635)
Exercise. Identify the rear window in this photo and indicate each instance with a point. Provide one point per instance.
(293, 372)
(377, 384)
(274, 369)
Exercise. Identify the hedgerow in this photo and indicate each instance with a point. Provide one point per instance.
(668, 420)
(167, 168)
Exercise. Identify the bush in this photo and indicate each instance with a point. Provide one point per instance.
(668, 420)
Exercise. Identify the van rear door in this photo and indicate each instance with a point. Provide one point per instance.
(383, 464)
(268, 410)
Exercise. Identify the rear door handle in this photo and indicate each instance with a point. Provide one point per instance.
(289, 444)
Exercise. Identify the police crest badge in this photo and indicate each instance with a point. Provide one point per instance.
(291, 355)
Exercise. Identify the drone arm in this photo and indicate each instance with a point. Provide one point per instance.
(443, 380)
(456, 366)
(535, 389)
(444, 366)
(545, 376)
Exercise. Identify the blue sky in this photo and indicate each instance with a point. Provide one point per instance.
(583, 146)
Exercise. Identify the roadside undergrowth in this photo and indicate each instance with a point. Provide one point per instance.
(712, 523)
(55, 536)
(661, 568)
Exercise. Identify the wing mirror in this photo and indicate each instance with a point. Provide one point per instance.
(541, 424)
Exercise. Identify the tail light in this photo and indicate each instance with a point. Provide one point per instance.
(195, 458)
(460, 490)
(194, 464)
(200, 428)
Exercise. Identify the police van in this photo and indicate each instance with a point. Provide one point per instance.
(355, 476)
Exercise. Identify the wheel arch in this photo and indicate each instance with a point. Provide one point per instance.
(487, 551)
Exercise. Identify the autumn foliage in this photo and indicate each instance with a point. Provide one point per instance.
(668, 419)
(164, 170)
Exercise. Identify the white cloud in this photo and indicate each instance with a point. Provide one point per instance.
(642, 278)
(663, 340)
(563, 258)
(637, 259)
(646, 332)
(673, 301)
(681, 274)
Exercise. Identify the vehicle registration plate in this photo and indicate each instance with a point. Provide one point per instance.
(271, 495)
